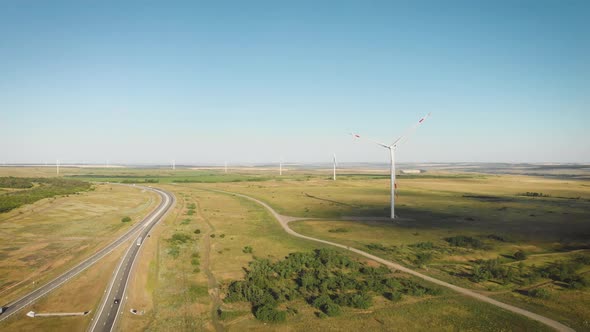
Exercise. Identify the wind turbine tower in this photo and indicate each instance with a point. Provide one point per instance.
(173, 165)
(334, 168)
(226, 167)
(281, 167)
(391, 149)
(57, 166)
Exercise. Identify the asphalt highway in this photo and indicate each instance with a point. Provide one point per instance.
(114, 298)
(142, 227)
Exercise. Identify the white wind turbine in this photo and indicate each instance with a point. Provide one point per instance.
(392, 148)
(334, 168)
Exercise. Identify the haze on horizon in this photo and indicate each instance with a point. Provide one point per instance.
(257, 81)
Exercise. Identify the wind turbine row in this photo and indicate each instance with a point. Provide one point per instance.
(391, 147)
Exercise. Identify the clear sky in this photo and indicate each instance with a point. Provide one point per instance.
(256, 81)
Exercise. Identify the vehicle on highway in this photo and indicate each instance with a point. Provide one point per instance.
(117, 301)
(139, 241)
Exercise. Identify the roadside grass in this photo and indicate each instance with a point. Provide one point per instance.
(41, 240)
(571, 307)
(442, 313)
(82, 293)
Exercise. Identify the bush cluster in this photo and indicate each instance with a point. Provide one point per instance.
(564, 272)
(17, 183)
(464, 241)
(326, 279)
(48, 187)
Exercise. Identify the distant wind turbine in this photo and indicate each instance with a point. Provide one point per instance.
(334, 175)
(281, 167)
(173, 165)
(226, 167)
(57, 166)
(392, 148)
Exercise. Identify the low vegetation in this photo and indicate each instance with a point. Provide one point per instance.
(464, 241)
(46, 187)
(564, 273)
(14, 182)
(126, 219)
(533, 194)
(324, 278)
(176, 241)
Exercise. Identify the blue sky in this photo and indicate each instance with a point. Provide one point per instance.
(256, 81)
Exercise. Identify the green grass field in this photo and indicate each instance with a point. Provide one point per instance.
(238, 223)
(201, 247)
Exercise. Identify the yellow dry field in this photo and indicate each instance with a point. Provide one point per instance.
(41, 240)
(80, 294)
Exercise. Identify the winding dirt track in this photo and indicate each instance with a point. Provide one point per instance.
(284, 221)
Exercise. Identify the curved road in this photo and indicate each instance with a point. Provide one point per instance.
(24, 301)
(284, 220)
(113, 300)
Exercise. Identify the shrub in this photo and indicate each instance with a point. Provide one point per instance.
(269, 313)
(197, 231)
(331, 309)
(540, 293)
(126, 219)
(178, 238)
(464, 241)
(393, 296)
(321, 300)
(376, 246)
(423, 245)
(422, 258)
(519, 255)
(361, 301)
(174, 251)
(338, 230)
(247, 250)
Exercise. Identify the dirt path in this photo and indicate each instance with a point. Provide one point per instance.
(211, 281)
(284, 220)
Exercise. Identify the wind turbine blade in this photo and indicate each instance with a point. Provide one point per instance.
(369, 139)
(410, 130)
